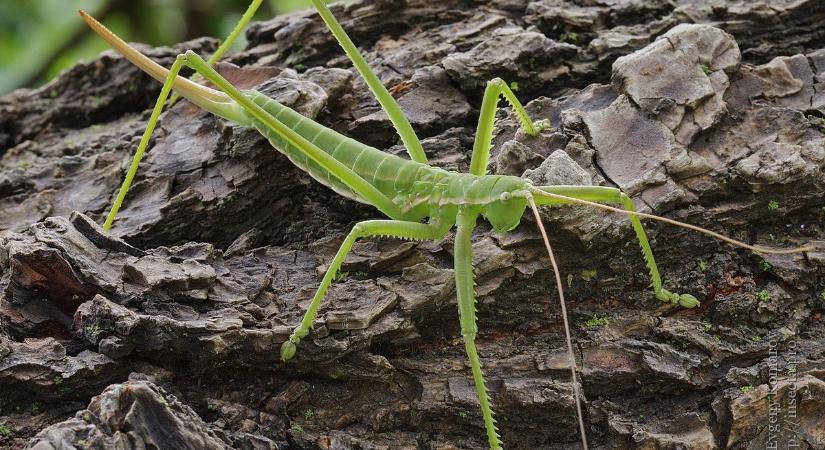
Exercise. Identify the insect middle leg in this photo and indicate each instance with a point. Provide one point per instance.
(392, 228)
(616, 196)
(465, 292)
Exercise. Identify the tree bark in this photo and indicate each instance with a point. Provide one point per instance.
(167, 331)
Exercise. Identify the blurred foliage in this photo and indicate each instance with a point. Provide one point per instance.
(41, 38)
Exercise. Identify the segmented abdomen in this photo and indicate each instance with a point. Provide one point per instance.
(388, 173)
(413, 186)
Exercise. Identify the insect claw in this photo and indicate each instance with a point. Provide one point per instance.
(541, 125)
(288, 350)
(664, 295)
(683, 300)
(289, 347)
(688, 301)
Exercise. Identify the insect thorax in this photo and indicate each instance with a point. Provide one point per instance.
(491, 195)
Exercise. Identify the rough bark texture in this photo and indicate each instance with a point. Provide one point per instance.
(166, 333)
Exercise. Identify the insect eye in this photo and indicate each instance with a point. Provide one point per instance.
(504, 196)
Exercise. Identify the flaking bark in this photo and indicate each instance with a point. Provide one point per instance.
(180, 313)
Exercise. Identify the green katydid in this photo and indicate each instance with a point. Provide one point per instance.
(408, 192)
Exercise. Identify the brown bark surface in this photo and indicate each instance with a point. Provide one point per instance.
(166, 332)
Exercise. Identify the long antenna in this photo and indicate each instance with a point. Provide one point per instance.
(570, 354)
(705, 231)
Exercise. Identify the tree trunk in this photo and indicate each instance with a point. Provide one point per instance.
(704, 111)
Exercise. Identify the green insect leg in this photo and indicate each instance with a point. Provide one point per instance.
(227, 43)
(385, 99)
(484, 133)
(616, 196)
(392, 228)
(346, 175)
(465, 291)
(233, 35)
(144, 142)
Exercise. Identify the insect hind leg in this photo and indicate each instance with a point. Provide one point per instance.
(227, 43)
(399, 120)
(616, 196)
(144, 141)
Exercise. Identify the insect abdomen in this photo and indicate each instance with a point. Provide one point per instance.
(388, 173)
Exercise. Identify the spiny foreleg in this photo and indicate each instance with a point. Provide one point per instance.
(545, 197)
(617, 197)
(484, 133)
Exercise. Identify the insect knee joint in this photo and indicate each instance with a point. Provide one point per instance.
(624, 199)
(299, 334)
(496, 81)
(359, 230)
(469, 334)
